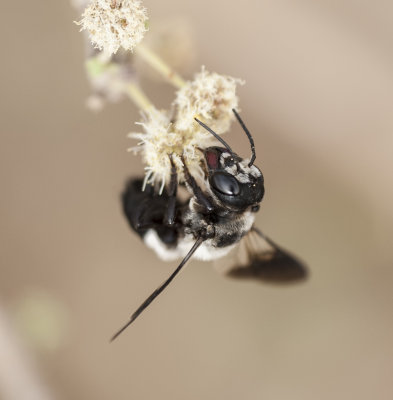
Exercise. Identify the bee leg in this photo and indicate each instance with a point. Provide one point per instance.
(169, 217)
(202, 199)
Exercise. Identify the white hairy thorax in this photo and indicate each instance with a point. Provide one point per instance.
(206, 252)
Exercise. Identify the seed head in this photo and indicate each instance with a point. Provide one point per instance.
(160, 141)
(114, 23)
(211, 97)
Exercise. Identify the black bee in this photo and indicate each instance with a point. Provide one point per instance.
(218, 218)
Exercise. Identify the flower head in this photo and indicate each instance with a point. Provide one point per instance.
(160, 142)
(211, 97)
(114, 23)
(177, 135)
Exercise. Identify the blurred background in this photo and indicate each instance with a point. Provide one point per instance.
(318, 100)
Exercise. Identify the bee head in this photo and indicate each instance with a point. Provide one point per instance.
(232, 180)
(235, 182)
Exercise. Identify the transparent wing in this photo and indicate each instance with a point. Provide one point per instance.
(258, 257)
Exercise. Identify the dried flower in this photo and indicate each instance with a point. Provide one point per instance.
(114, 23)
(211, 97)
(166, 135)
(160, 140)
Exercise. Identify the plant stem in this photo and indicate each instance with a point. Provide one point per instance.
(160, 66)
(134, 92)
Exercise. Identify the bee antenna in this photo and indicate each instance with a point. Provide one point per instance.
(251, 140)
(159, 290)
(219, 138)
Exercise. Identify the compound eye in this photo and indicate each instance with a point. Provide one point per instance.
(225, 183)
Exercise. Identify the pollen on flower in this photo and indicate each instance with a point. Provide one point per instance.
(211, 97)
(114, 23)
(160, 141)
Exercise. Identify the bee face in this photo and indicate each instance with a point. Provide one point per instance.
(232, 181)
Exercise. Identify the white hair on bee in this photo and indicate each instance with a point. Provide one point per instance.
(255, 172)
(242, 178)
(226, 155)
(231, 169)
(241, 170)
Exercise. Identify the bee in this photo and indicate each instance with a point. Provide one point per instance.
(217, 218)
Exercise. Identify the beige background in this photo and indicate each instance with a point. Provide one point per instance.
(318, 100)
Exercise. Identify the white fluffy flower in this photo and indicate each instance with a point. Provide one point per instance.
(210, 97)
(114, 23)
(160, 140)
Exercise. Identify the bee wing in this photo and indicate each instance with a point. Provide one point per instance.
(258, 257)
